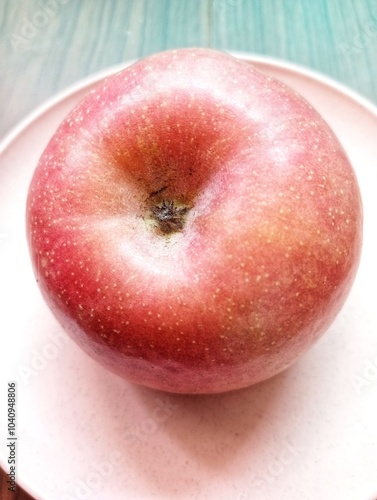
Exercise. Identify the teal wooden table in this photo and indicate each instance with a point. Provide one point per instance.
(46, 45)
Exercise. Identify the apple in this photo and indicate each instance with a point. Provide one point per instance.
(194, 224)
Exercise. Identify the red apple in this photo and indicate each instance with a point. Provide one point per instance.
(194, 224)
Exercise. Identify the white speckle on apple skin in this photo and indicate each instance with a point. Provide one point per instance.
(269, 248)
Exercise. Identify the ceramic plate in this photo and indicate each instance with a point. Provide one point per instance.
(84, 433)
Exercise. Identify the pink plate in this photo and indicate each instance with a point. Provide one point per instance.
(84, 433)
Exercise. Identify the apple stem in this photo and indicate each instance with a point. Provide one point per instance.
(170, 217)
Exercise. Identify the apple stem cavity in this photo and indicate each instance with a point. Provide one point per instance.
(169, 216)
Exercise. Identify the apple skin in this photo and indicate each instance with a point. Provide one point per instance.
(269, 225)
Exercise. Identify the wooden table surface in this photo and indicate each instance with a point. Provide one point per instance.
(46, 45)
